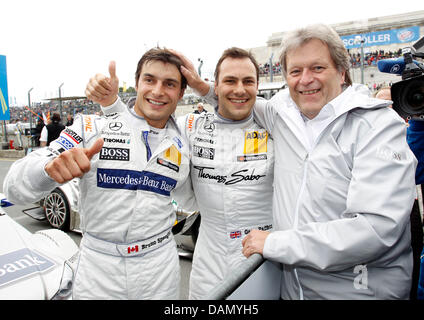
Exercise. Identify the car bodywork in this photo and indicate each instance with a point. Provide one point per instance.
(38, 265)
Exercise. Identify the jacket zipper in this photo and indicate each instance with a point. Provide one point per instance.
(296, 217)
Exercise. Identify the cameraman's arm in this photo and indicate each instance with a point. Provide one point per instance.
(415, 138)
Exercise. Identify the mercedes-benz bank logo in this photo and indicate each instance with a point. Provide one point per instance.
(115, 126)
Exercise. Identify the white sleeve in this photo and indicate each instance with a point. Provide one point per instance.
(44, 134)
(26, 180)
(211, 97)
(117, 106)
(264, 114)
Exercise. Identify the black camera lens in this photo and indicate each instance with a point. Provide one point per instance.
(416, 99)
(408, 97)
(414, 95)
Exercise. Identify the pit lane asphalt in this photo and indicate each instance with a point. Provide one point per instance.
(33, 225)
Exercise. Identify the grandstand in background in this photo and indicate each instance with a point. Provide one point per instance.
(384, 37)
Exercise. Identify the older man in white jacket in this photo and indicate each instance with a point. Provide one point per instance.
(344, 180)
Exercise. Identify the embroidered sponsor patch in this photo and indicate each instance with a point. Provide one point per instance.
(65, 143)
(255, 142)
(119, 154)
(172, 155)
(235, 235)
(115, 126)
(168, 164)
(204, 140)
(135, 180)
(22, 263)
(88, 124)
(241, 176)
(252, 157)
(190, 121)
(72, 135)
(117, 140)
(203, 152)
(178, 142)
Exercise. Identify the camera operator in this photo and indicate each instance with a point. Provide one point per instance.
(415, 138)
(408, 101)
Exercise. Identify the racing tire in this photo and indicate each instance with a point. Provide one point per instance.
(57, 210)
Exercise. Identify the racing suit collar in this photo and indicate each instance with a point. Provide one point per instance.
(221, 119)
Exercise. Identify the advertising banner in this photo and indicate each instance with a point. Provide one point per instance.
(4, 97)
(381, 38)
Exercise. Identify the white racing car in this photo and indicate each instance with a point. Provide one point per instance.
(35, 266)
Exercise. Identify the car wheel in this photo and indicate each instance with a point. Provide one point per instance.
(56, 208)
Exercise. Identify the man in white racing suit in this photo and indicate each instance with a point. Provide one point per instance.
(344, 180)
(232, 161)
(127, 249)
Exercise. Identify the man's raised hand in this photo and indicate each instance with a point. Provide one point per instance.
(73, 163)
(102, 89)
(190, 73)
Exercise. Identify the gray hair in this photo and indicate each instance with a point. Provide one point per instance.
(327, 35)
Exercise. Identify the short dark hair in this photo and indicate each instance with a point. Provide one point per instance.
(236, 53)
(164, 55)
(56, 117)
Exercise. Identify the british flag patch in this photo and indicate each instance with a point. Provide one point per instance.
(235, 234)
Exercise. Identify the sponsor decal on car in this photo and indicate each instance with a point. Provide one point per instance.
(135, 180)
(20, 264)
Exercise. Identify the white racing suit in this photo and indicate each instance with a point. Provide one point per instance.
(127, 249)
(232, 166)
(232, 170)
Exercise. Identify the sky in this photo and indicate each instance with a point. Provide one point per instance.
(52, 42)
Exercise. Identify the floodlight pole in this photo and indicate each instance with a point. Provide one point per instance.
(60, 101)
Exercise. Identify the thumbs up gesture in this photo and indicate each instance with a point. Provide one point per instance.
(102, 89)
(73, 163)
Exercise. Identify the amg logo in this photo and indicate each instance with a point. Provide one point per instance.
(115, 154)
(204, 152)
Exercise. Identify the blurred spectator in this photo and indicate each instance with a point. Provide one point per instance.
(37, 134)
(200, 109)
(69, 121)
(52, 130)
